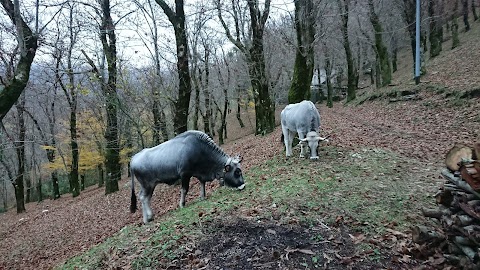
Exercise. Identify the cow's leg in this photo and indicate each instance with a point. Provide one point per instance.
(290, 136)
(202, 189)
(301, 136)
(145, 197)
(183, 193)
(287, 141)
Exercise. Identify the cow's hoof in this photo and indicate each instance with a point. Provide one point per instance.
(313, 158)
(302, 156)
(241, 187)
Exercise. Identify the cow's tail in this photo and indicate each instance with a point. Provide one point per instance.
(133, 197)
(282, 138)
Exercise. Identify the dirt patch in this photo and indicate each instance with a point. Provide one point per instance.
(248, 244)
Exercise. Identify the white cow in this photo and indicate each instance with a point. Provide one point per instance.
(302, 118)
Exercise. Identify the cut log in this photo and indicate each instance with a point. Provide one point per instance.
(462, 220)
(460, 240)
(471, 254)
(469, 210)
(422, 234)
(436, 213)
(459, 182)
(456, 154)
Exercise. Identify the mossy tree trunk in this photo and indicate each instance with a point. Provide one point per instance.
(304, 57)
(352, 73)
(13, 86)
(177, 19)
(112, 150)
(435, 30)
(254, 52)
(382, 52)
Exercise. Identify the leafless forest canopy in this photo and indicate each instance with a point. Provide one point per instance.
(128, 66)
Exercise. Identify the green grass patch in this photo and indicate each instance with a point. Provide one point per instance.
(362, 187)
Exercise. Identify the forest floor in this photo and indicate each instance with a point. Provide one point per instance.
(353, 209)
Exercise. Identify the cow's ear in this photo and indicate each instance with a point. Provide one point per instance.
(228, 168)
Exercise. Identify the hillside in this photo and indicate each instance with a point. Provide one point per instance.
(352, 209)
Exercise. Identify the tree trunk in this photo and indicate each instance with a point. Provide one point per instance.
(39, 190)
(352, 74)
(101, 176)
(206, 93)
(82, 182)
(238, 114)
(157, 119)
(474, 11)
(465, 15)
(304, 58)
(328, 74)
(455, 40)
(254, 52)
(435, 38)
(177, 19)
(27, 44)
(394, 54)
(409, 17)
(382, 52)
(20, 149)
(112, 151)
(196, 104)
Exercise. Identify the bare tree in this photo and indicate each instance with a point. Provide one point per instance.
(465, 15)
(352, 73)
(70, 91)
(383, 62)
(109, 89)
(251, 45)
(435, 29)
(177, 19)
(455, 39)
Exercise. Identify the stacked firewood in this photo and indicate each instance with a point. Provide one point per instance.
(456, 233)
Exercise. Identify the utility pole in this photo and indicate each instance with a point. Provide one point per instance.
(417, 44)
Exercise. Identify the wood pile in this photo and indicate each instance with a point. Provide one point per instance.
(455, 237)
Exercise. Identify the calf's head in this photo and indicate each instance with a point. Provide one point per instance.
(311, 140)
(233, 173)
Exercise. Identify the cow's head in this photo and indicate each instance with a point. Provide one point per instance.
(233, 173)
(311, 140)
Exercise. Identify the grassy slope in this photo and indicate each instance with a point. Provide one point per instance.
(370, 190)
(361, 189)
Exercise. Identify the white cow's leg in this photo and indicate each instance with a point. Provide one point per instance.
(290, 137)
(301, 136)
(145, 197)
(287, 142)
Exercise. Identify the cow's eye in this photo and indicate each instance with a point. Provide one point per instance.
(237, 172)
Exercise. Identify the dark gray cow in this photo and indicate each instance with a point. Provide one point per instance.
(302, 118)
(192, 153)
